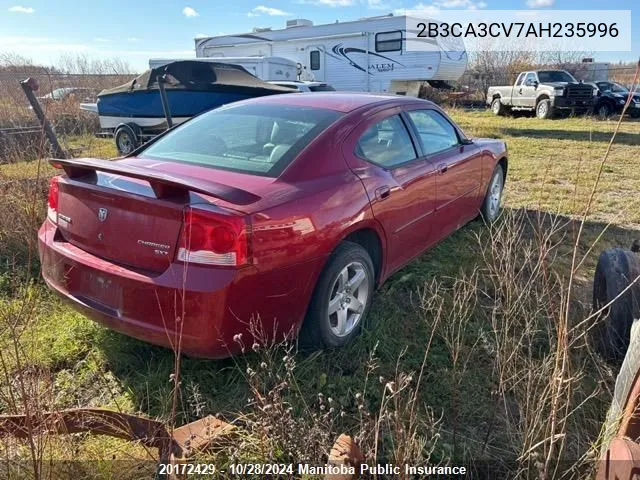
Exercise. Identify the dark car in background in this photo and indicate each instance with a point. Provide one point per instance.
(612, 97)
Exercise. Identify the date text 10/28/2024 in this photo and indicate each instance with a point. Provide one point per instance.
(241, 469)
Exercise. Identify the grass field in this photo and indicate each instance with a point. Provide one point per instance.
(494, 316)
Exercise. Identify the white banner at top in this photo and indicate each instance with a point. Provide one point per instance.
(518, 30)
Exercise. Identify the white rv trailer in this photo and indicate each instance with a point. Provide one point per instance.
(365, 55)
(265, 68)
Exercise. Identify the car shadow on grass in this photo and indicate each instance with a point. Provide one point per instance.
(623, 138)
(396, 337)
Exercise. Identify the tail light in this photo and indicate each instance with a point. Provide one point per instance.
(52, 199)
(212, 238)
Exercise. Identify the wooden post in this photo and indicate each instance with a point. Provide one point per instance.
(28, 87)
(165, 101)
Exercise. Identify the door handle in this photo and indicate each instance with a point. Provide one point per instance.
(442, 168)
(383, 192)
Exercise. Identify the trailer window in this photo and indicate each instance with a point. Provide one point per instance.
(314, 60)
(389, 41)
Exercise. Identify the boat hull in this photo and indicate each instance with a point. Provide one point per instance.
(144, 108)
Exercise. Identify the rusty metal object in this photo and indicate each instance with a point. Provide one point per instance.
(621, 461)
(345, 452)
(29, 86)
(199, 436)
(181, 444)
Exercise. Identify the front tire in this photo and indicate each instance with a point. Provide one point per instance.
(490, 209)
(604, 111)
(544, 109)
(341, 299)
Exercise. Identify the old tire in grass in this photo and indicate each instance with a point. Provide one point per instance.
(341, 299)
(544, 109)
(126, 139)
(616, 270)
(490, 209)
(497, 107)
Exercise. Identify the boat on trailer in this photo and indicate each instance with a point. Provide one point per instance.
(133, 113)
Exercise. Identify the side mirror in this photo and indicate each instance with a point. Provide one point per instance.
(466, 141)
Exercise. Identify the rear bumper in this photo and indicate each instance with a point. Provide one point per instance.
(202, 308)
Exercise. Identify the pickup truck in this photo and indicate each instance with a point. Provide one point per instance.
(542, 91)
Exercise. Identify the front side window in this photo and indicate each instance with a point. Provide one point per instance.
(531, 77)
(389, 41)
(548, 76)
(520, 79)
(314, 60)
(387, 143)
(435, 132)
(255, 139)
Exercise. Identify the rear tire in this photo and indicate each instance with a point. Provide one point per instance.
(490, 209)
(497, 107)
(544, 109)
(341, 299)
(126, 139)
(616, 269)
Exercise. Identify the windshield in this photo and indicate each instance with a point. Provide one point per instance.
(613, 87)
(322, 88)
(254, 139)
(555, 76)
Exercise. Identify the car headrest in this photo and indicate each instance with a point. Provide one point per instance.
(284, 132)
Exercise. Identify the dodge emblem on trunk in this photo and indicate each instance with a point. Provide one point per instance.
(102, 214)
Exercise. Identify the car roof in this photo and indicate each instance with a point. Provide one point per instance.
(339, 101)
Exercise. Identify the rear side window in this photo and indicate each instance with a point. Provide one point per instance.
(256, 139)
(435, 132)
(389, 41)
(387, 143)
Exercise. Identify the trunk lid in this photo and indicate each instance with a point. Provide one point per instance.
(128, 214)
(117, 225)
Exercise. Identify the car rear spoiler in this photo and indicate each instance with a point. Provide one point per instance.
(164, 185)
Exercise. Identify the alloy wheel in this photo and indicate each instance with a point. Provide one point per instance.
(348, 299)
(495, 194)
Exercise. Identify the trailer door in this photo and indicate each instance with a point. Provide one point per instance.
(316, 64)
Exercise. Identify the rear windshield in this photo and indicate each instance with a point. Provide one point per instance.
(255, 139)
(322, 88)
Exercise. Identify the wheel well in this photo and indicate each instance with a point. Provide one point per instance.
(541, 97)
(495, 95)
(368, 239)
(504, 163)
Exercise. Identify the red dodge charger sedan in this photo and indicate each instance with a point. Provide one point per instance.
(283, 211)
